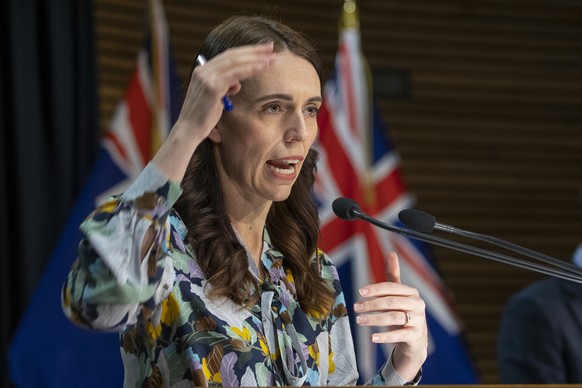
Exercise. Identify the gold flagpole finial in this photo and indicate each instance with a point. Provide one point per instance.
(350, 18)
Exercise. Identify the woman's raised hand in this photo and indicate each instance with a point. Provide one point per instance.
(220, 76)
(401, 311)
(202, 107)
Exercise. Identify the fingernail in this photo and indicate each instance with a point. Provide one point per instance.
(361, 319)
(358, 307)
(375, 338)
(364, 291)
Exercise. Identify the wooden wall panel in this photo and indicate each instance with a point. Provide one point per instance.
(490, 135)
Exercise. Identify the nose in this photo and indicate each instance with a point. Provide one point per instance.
(296, 127)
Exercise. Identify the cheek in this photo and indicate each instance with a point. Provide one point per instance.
(313, 131)
(247, 150)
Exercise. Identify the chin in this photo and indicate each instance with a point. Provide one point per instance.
(281, 196)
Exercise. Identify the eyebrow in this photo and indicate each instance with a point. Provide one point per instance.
(286, 97)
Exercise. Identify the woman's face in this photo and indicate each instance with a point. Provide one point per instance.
(263, 141)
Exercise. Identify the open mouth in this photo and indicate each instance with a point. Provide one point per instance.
(285, 167)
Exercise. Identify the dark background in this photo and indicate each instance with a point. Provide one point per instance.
(49, 126)
(489, 127)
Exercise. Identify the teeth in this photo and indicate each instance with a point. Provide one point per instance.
(286, 171)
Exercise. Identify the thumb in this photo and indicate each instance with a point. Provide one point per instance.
(392, 268)
(234, 89)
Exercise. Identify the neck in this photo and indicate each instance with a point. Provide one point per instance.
(251, 237)
(248, 216)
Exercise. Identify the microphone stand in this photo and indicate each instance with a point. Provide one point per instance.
(512, 247)
(574, 277)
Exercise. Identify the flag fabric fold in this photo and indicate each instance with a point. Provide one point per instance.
(48, 350)
(358, 161)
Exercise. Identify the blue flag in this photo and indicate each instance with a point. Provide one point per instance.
(48, 350)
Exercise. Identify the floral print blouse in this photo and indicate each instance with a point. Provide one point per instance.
(154, 294)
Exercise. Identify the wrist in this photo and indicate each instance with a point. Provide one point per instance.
(409, 368)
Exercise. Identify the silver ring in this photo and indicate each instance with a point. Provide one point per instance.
(408, 318)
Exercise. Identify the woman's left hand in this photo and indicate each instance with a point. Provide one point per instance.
(401, 311)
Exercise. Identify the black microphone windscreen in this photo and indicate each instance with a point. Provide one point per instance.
(417, 220)
(344, 208)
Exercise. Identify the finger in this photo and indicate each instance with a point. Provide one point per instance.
(241, 54)
(398, 335)
(390, 318)
(387, 288)
(392, 267)
(235, 65)
(234, 89)
(408, 300)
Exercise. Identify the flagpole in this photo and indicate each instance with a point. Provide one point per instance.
(160, 107)
(350, 22)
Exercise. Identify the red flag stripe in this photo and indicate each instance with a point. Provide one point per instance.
(111, 137)
(140, 116)
(349, 93)
(375, 253)
(420, 269)
(386, 189)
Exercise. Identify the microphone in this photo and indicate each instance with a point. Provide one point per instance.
(349, 210)
(345, 208)
(426, 223)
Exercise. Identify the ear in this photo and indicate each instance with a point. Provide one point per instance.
(215, 135)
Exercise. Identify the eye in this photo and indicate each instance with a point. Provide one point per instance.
(312, 110)
(272, 108)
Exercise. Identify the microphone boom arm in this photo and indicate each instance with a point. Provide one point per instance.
(470, 249)
(511, 246)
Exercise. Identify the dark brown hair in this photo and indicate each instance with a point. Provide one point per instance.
(293, 224)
